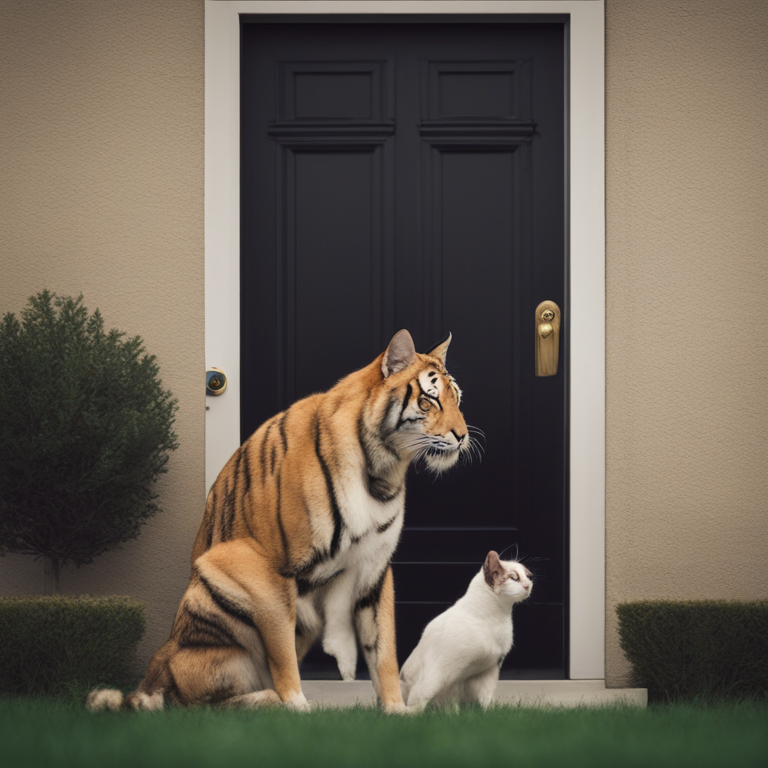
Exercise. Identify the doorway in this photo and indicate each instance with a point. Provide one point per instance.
(412, 174)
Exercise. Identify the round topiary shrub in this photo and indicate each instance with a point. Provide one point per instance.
(85, 430)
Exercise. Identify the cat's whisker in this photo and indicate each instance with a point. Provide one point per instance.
(506, 549)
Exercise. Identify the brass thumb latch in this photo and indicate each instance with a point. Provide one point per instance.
(215, 381)
(547, 338)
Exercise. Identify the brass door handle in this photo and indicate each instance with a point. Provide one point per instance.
(547, 338)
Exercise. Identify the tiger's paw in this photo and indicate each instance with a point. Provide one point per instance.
(347, 668)
(298, 703)
(344, 650)
(399, 709)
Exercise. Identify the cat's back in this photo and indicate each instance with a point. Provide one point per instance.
(472, 622)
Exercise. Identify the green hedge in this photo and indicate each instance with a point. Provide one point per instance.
(697, 650)
(66, 645)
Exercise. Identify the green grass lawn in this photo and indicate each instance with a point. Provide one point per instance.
(39, 732)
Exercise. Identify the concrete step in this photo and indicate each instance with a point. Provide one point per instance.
(528, 693)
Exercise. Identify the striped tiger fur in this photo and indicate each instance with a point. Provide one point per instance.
(297, 537)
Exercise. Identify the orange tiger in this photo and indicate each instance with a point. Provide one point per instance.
(297, 537)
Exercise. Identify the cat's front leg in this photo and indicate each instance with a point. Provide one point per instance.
(481, 687)
(424, 689)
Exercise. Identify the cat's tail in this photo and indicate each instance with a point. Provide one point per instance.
(110, 699)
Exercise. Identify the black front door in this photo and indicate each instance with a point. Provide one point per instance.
(411, 175)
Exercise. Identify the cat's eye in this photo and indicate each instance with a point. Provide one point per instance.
(424, 403)
(514, 577)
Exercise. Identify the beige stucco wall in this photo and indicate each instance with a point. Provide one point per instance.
(687, 277)
(101, 192)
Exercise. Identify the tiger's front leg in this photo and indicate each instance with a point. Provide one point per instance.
(375, 625)
(339, 638)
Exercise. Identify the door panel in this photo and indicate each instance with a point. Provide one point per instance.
(332, 222)
(412, 175)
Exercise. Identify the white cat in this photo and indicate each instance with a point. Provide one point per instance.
(460, 652)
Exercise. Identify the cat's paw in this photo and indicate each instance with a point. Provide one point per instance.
(400, 709)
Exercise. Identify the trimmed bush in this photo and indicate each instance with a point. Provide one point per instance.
(86, 429)
(697, 650)
(64, 646)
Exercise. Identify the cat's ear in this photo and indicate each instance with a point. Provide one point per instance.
(400, 353)
(441, 350)
(493, 571)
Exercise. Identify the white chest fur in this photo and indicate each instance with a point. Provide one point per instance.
(369, 536)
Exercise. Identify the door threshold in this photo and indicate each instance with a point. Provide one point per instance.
(527, 693)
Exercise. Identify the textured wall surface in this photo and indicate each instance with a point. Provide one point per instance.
(101, 192)
(687, 271)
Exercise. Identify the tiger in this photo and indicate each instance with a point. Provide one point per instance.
(297, 539)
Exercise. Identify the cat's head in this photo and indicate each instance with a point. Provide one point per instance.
(507, 577)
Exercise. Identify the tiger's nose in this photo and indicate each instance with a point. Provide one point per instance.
(459, 440)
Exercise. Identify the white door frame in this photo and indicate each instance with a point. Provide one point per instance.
(587, 265)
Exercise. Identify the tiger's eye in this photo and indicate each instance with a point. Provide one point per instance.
(424, 403)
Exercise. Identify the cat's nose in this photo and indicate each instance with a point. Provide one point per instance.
(526, 587)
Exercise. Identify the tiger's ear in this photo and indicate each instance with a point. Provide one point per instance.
(400, 353)
(441, 350)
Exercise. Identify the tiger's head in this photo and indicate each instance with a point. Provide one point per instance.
(422, 420)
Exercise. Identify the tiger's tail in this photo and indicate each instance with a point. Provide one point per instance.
(110, 699)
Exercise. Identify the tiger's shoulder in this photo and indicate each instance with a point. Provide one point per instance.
(337, 455)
